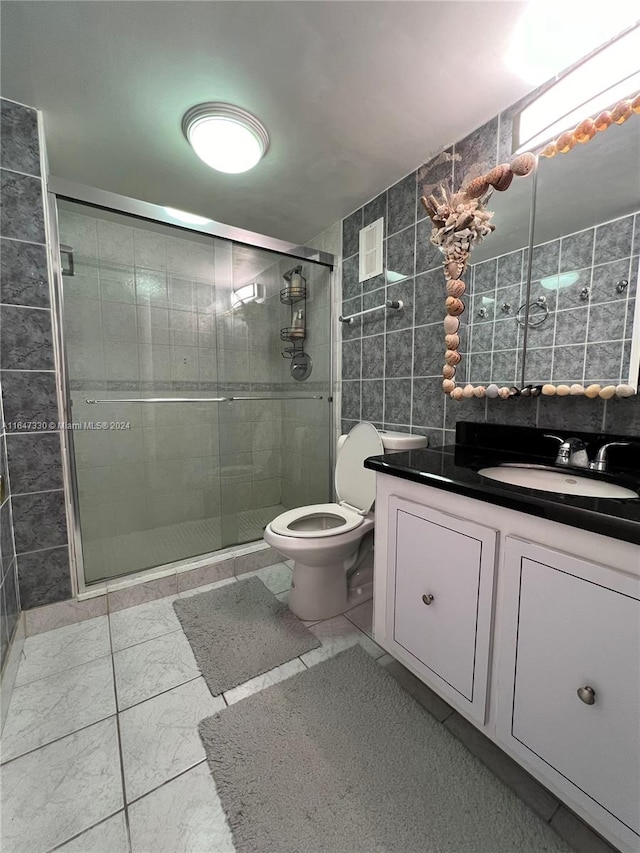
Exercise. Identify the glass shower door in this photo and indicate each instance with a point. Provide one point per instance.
(275, 443)
(139, 324)
(199, 434)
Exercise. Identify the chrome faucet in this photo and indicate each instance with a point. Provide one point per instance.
(601, 462)
(571, 453)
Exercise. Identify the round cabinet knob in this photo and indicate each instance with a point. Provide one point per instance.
(587, 695)
(427, 599)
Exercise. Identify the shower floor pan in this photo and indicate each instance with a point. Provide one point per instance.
(115, 556)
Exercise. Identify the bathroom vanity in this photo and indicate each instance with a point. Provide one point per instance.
(521, 608)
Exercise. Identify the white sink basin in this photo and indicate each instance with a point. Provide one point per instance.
(560, 482)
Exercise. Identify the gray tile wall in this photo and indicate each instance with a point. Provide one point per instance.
(582, 340)
(32, 519)
(392, 362)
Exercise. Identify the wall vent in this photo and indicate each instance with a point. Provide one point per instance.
(371, 250)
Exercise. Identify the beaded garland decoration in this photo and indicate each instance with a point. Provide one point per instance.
(460, 220)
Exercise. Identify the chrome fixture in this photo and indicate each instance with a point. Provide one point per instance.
(482, 312)
(601, 462)
(202, 399)
(541, 303)
(587, 695)
(585, 293)
(289, 397)
(427, 599)
(301, 366)
(225, 137)
(571, 453)
(162, 400)
(398, 305)
(622, 285)
(144, 209)
(185, 216)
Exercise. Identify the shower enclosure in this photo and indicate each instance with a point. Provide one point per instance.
(190, 431)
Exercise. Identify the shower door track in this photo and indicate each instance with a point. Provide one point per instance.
(71, 191)
(62, 188)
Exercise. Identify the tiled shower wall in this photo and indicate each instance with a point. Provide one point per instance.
(581, 340)
(28, 384)
(391, 361)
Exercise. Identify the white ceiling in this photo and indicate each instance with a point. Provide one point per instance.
(354, 95)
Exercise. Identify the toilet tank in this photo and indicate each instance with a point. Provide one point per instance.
(396, 442)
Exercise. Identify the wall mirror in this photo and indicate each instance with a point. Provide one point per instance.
(548, 302)
(582, 317)
(496, 292)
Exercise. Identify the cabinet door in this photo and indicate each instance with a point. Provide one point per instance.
(443, 583)
(575, 677)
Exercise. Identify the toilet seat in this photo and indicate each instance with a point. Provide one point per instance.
(355, 488)
(317, 521)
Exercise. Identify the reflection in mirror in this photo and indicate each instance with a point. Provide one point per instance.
(497, 289)
(586, 242)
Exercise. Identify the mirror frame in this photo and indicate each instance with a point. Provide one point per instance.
(460, 221)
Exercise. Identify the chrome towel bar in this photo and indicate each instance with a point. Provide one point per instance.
(390, 303)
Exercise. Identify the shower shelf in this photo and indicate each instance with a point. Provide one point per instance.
(290, 295)
(293, 294)
(294, 334)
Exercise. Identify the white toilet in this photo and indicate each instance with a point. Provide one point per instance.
(332, 544)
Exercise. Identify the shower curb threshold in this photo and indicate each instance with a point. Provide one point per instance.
(150, 585)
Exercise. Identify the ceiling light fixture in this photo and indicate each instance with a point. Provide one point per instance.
(183, 216)
(599, 82)
(225, 137)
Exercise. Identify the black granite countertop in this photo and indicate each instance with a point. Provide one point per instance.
(455, 469)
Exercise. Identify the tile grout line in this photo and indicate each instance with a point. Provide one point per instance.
(16, 239)
(161, 693)
(56, 740)
(119, 739)
(555, 812)
(168, 782)
(77, 835)
(20, 306)
(66, 669)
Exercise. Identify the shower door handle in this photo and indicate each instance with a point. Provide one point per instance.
(200, 399)
(164, 400)
(297, 397)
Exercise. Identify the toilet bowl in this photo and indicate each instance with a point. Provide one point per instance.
(332, 544)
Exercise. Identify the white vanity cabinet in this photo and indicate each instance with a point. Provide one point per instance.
(538, 645)
(441, 588)
(569, 697)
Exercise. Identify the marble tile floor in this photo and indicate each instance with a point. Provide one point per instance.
(101, 754)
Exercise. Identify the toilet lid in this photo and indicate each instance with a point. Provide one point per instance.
(355, 484)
